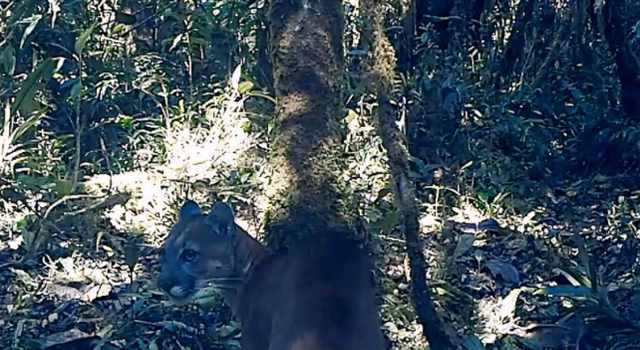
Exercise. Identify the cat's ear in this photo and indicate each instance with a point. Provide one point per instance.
(221, 216)
(189, 209)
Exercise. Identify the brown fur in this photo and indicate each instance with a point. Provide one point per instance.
(317, 296)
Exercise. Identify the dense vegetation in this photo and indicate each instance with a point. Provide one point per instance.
(520, 117)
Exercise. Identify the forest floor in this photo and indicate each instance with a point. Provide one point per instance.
(488, 279)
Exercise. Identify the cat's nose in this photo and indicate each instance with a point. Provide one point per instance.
(178, 292)
(165, 283)
(172, 287)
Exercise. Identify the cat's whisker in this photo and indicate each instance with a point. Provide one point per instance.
(232, 279)
(220, 283)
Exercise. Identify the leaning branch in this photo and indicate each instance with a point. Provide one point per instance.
(381, 73)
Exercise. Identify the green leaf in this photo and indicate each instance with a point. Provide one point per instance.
(390, 221)
(125, 18)
(472, 343)
(33, 22)
(483, 195)
(25, 126)
(245, 87)
(505, 270)
(33, 182)
(76, 89)
(132, 254)
(583, 255)
(24, 99)
(125, 121)
(199, 42)
(351, 116)
(206, 296)
(176, 41)
(569, 291)
(29, 240)
(465, 243)
(63, 187)
(119, 28)
(8, 60)
(24, 223)
(235, 77)
(576, 278)
(82, 40)
(382, 194)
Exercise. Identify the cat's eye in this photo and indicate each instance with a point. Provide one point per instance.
(189, 255)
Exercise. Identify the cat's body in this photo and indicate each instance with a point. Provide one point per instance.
(318, 295)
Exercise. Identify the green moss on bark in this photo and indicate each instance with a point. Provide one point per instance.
(307, 69)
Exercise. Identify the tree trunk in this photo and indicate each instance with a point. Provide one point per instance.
(515, 47)
(307, 57)
(621, 17)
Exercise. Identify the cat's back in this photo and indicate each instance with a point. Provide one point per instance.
(317, 295)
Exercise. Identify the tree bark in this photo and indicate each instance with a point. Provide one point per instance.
(382, 64)
(621, 16)
(307, 57)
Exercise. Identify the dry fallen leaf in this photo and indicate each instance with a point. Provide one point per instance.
(63, 339)
(506, 271)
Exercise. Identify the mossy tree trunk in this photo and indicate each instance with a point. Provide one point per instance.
(307, 57)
